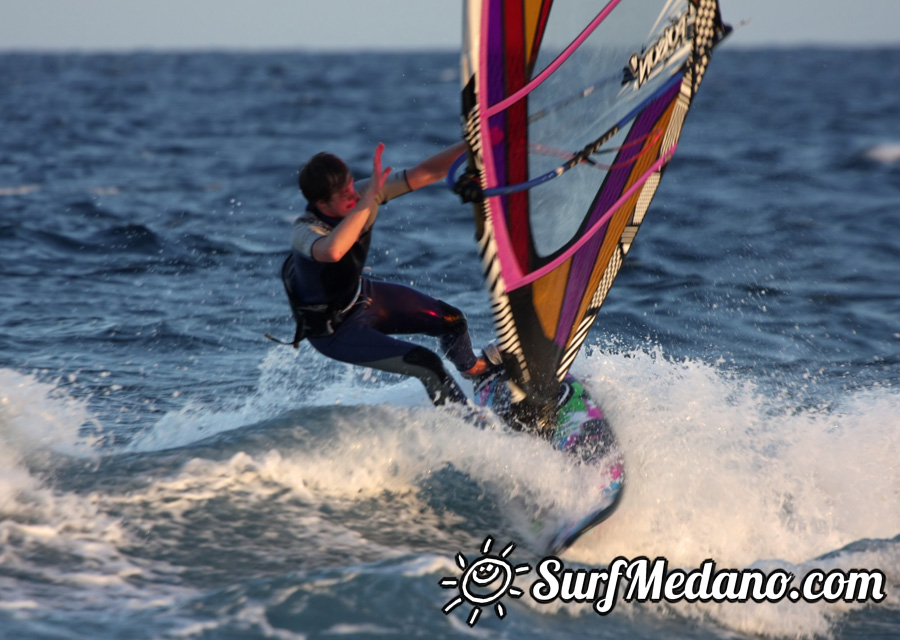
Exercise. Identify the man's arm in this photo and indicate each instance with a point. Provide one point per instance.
(434, 168)
(335, 245)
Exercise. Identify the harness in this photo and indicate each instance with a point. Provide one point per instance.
(313, 320)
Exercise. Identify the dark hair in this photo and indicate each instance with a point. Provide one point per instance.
(324, 175)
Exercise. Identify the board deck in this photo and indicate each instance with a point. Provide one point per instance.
(581, 430)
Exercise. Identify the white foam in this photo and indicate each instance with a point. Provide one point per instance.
(34, 419)
(38, 416)
(714, 466)
(289, 380)
(884, 153)
(716, 469)
(41, 522)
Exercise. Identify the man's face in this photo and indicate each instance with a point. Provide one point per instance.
(342, 202)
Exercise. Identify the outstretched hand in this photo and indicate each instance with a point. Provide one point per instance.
(379, 175)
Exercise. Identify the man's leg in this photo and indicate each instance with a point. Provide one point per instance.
(356, 343)
(399, 310)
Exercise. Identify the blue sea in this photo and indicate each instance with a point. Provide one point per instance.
(167, 472)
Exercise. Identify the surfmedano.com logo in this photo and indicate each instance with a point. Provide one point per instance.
(486, 580)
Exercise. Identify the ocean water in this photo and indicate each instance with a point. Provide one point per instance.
(167, 472)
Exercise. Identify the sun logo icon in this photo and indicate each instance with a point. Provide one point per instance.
(485, 581)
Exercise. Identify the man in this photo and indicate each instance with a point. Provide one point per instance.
(351, 318)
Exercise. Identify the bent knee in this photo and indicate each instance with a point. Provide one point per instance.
(454, 319)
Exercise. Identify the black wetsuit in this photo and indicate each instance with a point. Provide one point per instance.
(365, 314)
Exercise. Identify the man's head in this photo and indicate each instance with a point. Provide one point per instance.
(326, 182)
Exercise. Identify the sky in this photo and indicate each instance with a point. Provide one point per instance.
(347, 25)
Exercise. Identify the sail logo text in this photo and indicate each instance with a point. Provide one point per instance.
(642, 66)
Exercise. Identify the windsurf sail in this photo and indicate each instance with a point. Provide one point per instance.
(571, 111)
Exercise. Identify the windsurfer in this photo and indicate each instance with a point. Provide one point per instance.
(349, 317)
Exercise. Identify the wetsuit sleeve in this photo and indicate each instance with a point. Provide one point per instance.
(305, 232)
(395, 186)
